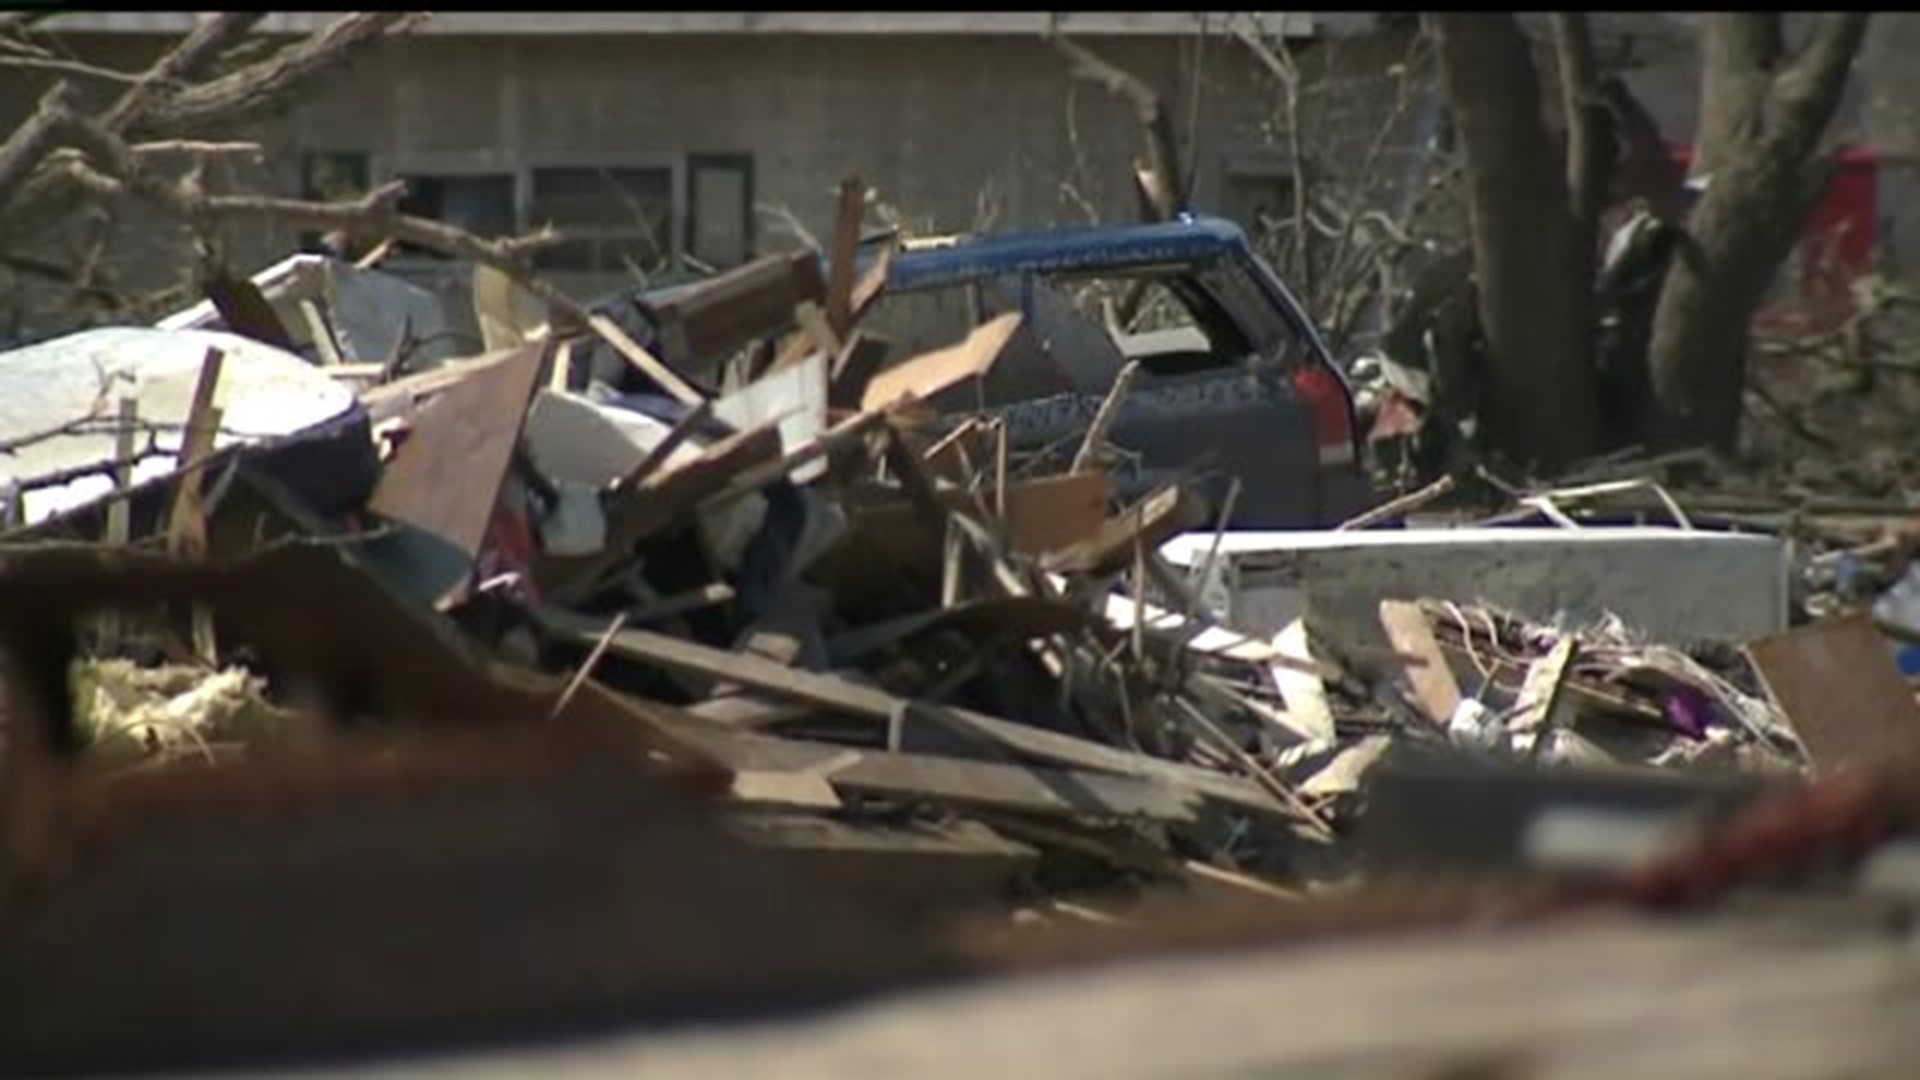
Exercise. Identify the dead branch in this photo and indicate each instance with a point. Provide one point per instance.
(69, 67)
(114, 172)
(154, 107)
(18, 22)
(1167, 190)
(195, 53)
(34, 139)
(200, 148)
(262, 86)
(1279, 61)
(1808, 91)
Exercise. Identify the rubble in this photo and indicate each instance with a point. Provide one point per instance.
(703, 549)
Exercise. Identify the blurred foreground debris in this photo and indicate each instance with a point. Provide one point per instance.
(685, 662)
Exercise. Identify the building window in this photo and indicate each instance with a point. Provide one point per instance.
(719, 230)
(617, 220)
(481, 204)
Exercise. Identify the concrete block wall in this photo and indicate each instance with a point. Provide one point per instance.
(944, 127)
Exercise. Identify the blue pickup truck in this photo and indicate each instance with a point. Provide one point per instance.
(1235, 380)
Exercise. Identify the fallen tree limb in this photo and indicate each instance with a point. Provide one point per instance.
(164, 103)
(76, 68)
(195, 53)
(263, 86)
(34, 139)
(1163, 184)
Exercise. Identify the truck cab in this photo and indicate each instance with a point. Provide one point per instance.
(1235, 381)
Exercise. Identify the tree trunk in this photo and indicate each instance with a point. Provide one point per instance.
(1738, 54)
(1590, 137)
(1766, 176)
(1535, 278)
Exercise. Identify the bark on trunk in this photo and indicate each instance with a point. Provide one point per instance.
(1767, 174)
(1535, 279)
(1738, 53)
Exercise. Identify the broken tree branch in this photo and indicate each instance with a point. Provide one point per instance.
(263, 86)
(1807, 92)
(1164, 185)
(195, 53)
(75, 68)
(34, 139)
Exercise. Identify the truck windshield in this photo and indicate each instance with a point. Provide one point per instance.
(1158, 315)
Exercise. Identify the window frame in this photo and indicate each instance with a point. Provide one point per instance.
(674, 164)
(689, 224)
(384, 168)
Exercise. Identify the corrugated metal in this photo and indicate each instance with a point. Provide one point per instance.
(1293, 24)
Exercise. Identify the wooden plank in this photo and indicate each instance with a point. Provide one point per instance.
(851, 430)
(1540, 694)
(846, 247)
(446, 477)
(650, 366)
(1432, 679)
(929, 373)
(873, 284)
(1304, 693)
(1346, 767)
(1838, 686)
(320, 333)
(784, 629)
(1048, 514)
(907, 867)
(664, 498)
(1150, 523)
(814, 321)
(873, 703)
(1023, 617)
(708, 322)
(926, 778)
(986, 549)
(186, 515)
(119, 511)
(1092, 443)
(749, 710)
(672, 493)
(682, 430)
(401, 395)
(186, 523)
(793, 397)
(784, 787)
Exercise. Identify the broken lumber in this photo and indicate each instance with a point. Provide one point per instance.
(856, 700)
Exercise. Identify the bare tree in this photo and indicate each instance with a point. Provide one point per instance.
(1764, 114)
(64, 158)
(1355, 223)
(1534, 278)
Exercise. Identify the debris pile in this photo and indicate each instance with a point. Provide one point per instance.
(721, 543)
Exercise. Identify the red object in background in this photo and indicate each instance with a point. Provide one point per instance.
(1836, 246)
(1838, 243)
